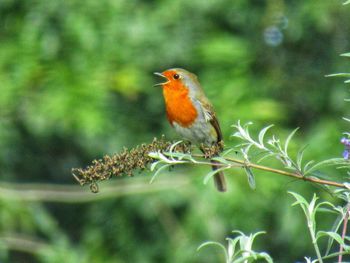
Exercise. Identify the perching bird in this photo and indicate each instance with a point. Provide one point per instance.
(190, 112)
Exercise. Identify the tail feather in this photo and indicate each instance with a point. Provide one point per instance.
(219, 180)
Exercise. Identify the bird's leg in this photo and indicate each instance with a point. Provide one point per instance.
(189, 144)
(206, 150)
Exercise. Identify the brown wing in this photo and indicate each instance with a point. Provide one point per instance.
(210, 115)
(214, 121)
(208, 110)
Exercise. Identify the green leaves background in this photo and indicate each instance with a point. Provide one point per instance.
(76, 82)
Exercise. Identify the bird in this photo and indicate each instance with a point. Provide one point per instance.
(191, 114)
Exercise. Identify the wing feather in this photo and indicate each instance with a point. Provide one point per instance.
(210, 117)
(214, 121)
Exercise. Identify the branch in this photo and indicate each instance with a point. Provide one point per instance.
(22, 243)
(167, 154)
(289, 174)
(75, 194)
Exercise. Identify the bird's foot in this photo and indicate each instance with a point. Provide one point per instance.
(210, 151)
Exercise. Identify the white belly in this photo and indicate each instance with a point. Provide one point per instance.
(200, 131)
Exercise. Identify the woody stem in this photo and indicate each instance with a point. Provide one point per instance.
(285, 173)
(345, 224)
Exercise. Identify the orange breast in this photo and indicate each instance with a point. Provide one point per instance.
(179, 107)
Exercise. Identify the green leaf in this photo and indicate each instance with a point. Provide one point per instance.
(306, 167)
(319, 205)
(211, 174)
(339, 75)
(257, 234)
(333, 235)
(212, 243)
(252, 256)
(290, 136)
(158, 155)
(309, 260)
(312, 208)
(300, 200)
(240, 233)
(154, 165)
(267, 257)
(329, 162)
(336, 225)
(158, 172)
(262, 134)
(346, 54)
(300, 156)
(226, 152)
(154, 155)
(172, 147)
(232, 243)
(265, 155)
(251, 178)
(347, 2)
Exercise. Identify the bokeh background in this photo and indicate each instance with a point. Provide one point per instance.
(76, 83)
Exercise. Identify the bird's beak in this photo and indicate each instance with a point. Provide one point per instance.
(160, 75)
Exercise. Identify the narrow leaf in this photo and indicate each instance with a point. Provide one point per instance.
(333, 235)
(265, 156)
(154, 165)
(262, 134)
(172, 147)
(339, 75)
(267, 257)
(290, 136)
(251, 178)
(299, 198)
(158, 172)
(329, 162)
(232, 243)
(336, 225)
(300, 156)
(212, 243)
(211, 174)
(306, 167)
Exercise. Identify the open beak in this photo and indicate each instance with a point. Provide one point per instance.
(160, 75)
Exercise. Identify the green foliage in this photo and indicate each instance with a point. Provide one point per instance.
(76, 83)
(274, 147)
(244, 253)
(310, 210)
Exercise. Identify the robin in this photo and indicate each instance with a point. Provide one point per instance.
(190, 112)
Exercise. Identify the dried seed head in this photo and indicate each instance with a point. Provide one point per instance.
(125, 162)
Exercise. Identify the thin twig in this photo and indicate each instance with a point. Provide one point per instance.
(345, 224)
(281, 172)
(290, 174)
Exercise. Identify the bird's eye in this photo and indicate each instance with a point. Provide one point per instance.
(176, 76)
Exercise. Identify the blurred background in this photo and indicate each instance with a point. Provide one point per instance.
(76, 83)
